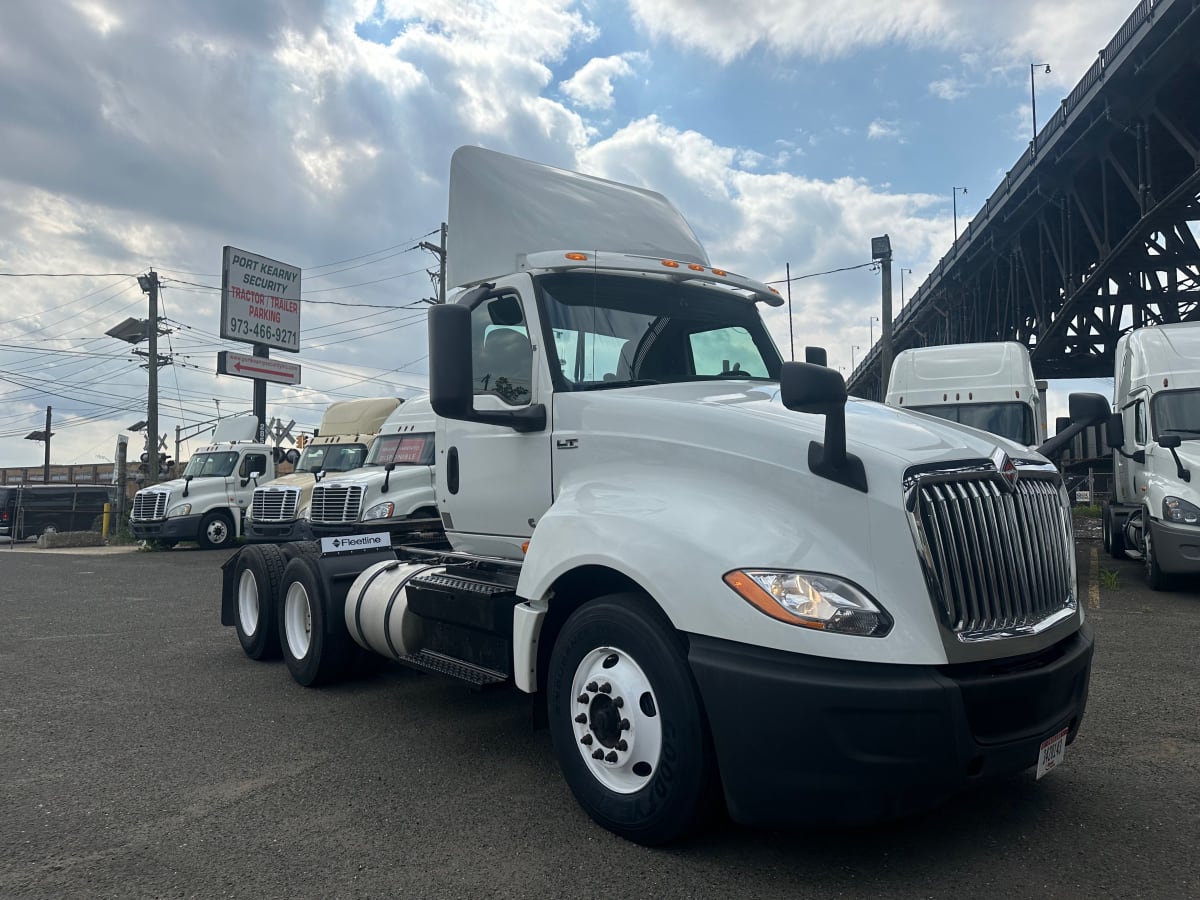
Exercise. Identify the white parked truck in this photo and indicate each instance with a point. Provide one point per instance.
(1155, 435)
(278, 509)
(987, 385)
(206, 503)
(722, 579)
(394, 488)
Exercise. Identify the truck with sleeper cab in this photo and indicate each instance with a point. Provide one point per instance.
(723, 580)
(986, 385)
(1154, 432)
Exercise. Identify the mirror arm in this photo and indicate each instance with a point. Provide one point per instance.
(1183, 473)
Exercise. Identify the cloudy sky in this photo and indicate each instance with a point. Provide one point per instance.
(141, 133)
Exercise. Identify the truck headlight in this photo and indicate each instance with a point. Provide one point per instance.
(1180, 511)
(183, 509)
(380, 511)
(811, 600)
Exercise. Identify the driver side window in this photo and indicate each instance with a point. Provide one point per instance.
(1139, 423)
(502, 356)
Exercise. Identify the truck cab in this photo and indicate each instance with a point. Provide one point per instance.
(1154, 514)
(394, 487)
(988, 386)
(206, 503)
(278, 509)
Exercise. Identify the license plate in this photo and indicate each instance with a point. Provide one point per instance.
(1052, 753)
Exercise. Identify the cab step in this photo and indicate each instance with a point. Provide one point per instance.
(477, 677)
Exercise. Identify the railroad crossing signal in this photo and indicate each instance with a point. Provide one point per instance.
(281, 432)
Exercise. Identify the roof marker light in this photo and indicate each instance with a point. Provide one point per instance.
(670, 264)
(695, 268)
(577, 256)
(720, 272)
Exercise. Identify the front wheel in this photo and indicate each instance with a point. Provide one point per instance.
(216, 531)
(314, 654)
(627, 723)
(1114, 534)
(1155, 577)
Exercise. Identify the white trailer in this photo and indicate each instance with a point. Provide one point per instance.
(722, 579)
(1155, 435)
(987, 385)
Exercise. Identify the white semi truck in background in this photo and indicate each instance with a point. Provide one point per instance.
(279, 509)
(986, 385)
(724, 581)
(206, 503)
(393, 490)
(1154, 514)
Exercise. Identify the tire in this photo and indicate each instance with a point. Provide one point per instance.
(656, 777)
(1155, 577)
(1104, 528)
(1114, 534)
(257, 575)
(313, 655)
(216, 532)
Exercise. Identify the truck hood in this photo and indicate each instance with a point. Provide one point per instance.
(735, 414)
(295, 479)
(372, 476)
(176, 485)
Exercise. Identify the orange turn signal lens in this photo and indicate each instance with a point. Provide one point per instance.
(577, 256)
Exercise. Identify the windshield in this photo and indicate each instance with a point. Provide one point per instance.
(402, 449)
(1177, 412)
(332, 458)
(211, 465)
(1010, 420)
(613, 331)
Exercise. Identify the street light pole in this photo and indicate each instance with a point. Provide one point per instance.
(1033, 100)
(954, 203)
(871, 324)
(902, 271)
(853, 347)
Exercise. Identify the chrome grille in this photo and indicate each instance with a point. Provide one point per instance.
(274, 504)
(337, 504)
(998, 559)
(150, 505)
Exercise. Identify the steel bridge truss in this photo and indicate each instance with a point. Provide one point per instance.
(1099, 234)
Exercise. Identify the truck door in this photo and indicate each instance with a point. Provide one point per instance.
(1131, 474)
(492, 481)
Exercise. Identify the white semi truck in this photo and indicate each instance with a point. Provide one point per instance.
(1155, 435)
(986, 385)
(277, 509)
(722, 579)
(394, 488)
(206, 504)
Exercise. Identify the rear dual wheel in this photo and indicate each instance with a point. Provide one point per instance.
(257, 575)
(315, 648)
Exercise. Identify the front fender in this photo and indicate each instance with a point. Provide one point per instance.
(677, 543)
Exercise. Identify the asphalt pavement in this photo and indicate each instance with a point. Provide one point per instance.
(143, 755)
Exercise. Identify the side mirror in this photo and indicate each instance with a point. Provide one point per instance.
(451, 388)
(254, 476)
(187, 483)
(1086, 410)
(1172, 442)
(387, 476)
(1114, 431)
(811, 388)
(816, 356)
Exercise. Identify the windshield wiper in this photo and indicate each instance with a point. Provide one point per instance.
(1195, 431)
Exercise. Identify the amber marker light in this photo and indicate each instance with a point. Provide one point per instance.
(695, 268)
(747, 588)
(670, 264)
(525, 547)
(580, 257)
(720, 272)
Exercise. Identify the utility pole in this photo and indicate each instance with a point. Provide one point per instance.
(439, 250)
(787, 267)
(149, 285)
(46, 463)
(881, 251)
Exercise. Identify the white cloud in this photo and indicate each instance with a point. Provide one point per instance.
(948, 89)
(1068, 32)
(592, 85)
(882, 129)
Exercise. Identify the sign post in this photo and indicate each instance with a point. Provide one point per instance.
(260, 305)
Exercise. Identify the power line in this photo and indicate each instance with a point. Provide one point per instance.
(829, 272)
